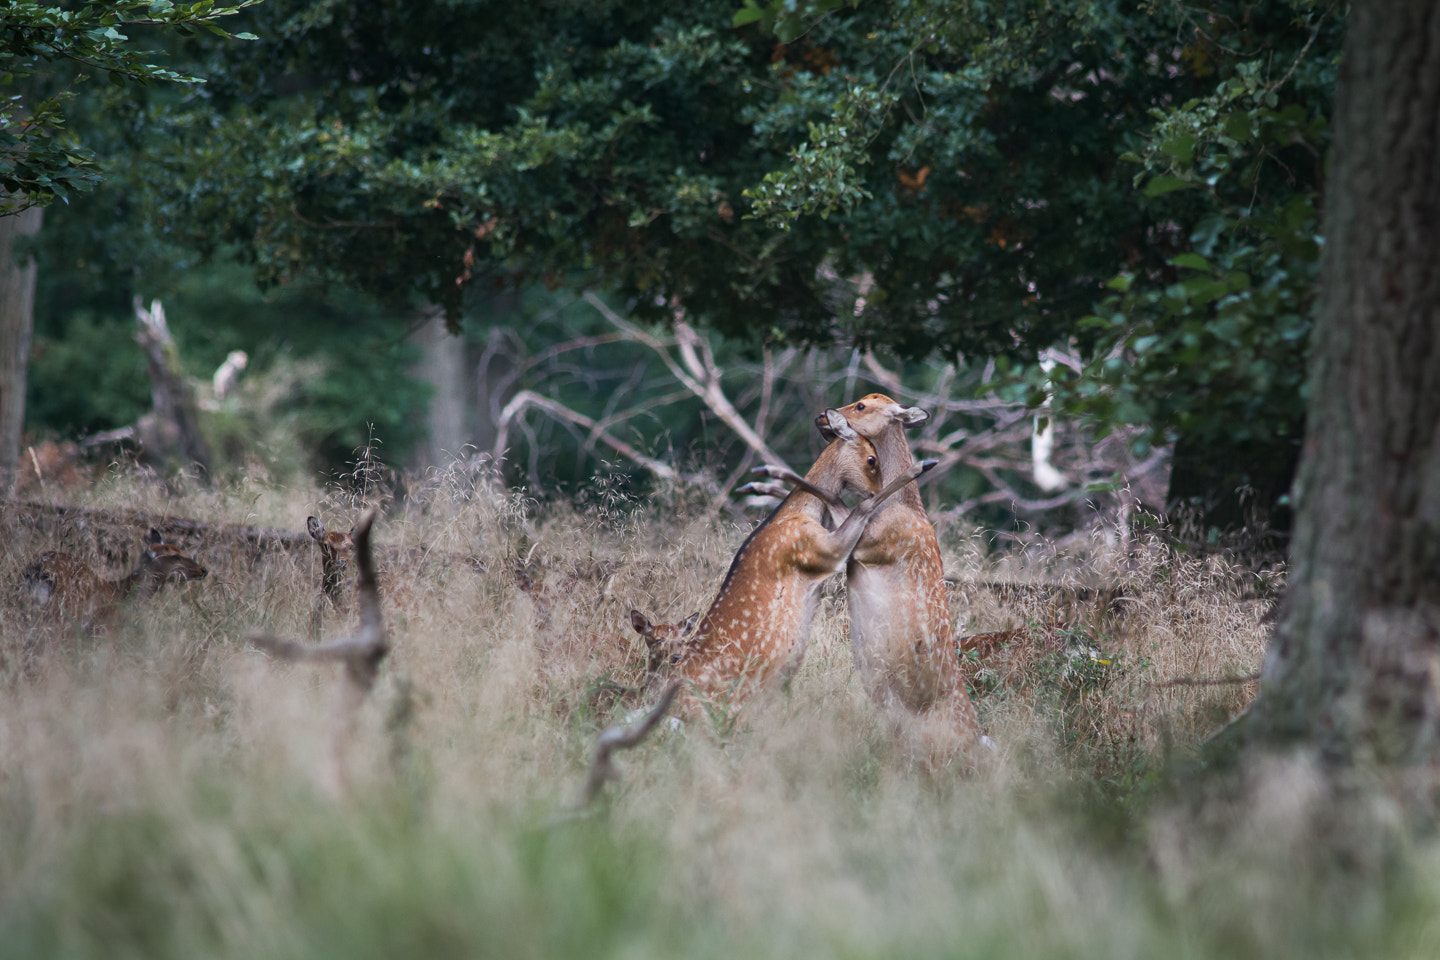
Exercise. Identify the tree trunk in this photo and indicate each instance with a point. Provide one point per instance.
(17, 317)
(1354, 665)
(443, 367)
(176, 427)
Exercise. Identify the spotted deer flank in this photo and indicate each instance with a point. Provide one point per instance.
(757, 628)
(64, 585)
(900, 626)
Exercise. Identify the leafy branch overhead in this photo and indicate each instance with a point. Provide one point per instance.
(1213, 345)
(964, 158)
(46, 50)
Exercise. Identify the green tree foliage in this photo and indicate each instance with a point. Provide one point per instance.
(973, 181)
(958, 178)
(1212, 347)
(1205, 335)
(46, 50)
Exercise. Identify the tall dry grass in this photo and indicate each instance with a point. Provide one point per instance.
(168, 790)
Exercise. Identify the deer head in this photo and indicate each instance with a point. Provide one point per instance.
(336, 550)
(666, 641)
(163, 563)
(871, 415)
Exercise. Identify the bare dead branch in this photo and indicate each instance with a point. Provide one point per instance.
(602, 769)
(529, 398)
(361, 652)
(699, 375)
(1193, 682)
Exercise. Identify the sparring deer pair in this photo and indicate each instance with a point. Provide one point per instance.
(758, 625)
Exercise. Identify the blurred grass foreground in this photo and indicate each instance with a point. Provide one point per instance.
(168, 790)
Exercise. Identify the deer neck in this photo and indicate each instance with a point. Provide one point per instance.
(896, 461)
(141, 584)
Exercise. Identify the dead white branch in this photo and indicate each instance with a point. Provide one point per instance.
(700, 374)
(529, 398)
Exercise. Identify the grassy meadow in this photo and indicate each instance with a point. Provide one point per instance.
(168, 790)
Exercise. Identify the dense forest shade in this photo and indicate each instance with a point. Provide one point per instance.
(970, 180)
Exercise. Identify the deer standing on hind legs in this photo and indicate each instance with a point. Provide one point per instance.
(900, 627)
(758, 625)
(67, 586)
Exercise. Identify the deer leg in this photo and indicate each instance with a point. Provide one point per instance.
(790, 476)
(850, 531)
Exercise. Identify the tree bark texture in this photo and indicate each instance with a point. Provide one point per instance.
(1354, 665)
(443, 367)
(17, 316)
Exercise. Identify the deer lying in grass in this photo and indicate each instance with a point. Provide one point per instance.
(663, 640)
(67, 586)
(900, 628)
(758, 625)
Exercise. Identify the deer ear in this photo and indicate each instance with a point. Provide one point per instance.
(315, 528)
(836, 421)
(822, 423)
(642, 626)
(911, 416)
(153, 538)
(690, 623)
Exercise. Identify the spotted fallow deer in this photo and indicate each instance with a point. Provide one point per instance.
(900, 626)
(66, 585)
(336, 550)
(758, 625)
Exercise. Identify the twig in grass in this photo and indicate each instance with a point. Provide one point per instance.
(1194, 682)
(622, 738)
(361, 652)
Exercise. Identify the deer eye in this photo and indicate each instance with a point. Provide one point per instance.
(859, 407)
(869, 461)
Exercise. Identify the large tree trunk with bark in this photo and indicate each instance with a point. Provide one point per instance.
(1354, 666)
(17, 316)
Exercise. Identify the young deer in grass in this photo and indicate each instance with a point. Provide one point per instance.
(67, 585)
(663, 640)
(900, 625)
(361, 653)
(336, 551)
(598, 669)
(759, 623)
